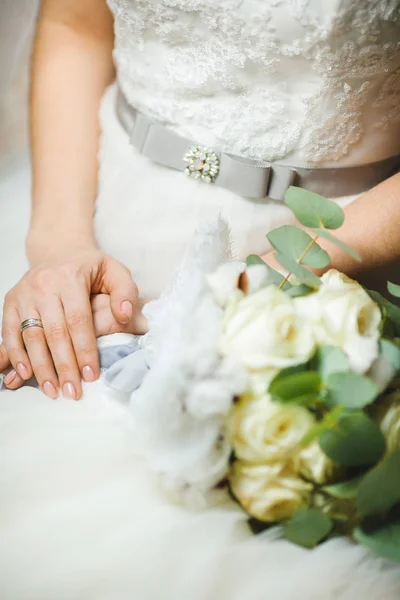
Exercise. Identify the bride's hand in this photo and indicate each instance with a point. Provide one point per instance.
(104, 324)
(58, 292)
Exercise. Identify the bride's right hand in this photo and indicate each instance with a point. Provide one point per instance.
(58, 292)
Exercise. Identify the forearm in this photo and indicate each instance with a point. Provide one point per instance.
(72, 65)
(372, 227)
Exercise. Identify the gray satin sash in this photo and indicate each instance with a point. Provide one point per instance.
(246, 177)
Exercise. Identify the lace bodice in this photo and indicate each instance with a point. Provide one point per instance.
(299, 81)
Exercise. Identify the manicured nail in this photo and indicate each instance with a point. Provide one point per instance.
(10, 377)
(87, 374)
(50, 390)
(69, 391)
(127, 308)
(22, 371)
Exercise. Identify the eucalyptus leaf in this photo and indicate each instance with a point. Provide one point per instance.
(393, 289)
(346, 490)
(330, 359)
(391, 352)
(313, 210)
(328, 236)
(254, 259)
(385, 541)
(297, 245)
(274, 276)
(354, 441)
(303, 275)
(299, 290)
(305, 385)
(380, 488)
(308, 527)
(350, 390)
(388, 309)
(328, 421)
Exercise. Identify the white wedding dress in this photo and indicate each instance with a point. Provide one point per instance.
(296, 81)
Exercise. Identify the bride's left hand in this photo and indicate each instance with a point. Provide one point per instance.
(104, 324)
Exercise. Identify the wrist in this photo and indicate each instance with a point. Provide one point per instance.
(43, 244)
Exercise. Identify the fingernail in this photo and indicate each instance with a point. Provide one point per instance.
(87, 374)
(127, 308)
(22, 371)
(69, 391)
(50, 390)
(9, 378)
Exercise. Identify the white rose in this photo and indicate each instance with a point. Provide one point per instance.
(344, 315)
(264, 330)
(313, 464)
(266, 431)
(390, 422)
(224, 281)
(259, 381)
(270, 493)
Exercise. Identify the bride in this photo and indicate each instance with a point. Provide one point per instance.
(261, 94)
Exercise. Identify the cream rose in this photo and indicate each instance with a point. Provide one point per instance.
(343, 315)
(313, 464)
(265, 431)
(269, 493)
(264, 330)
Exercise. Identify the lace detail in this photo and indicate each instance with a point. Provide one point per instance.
(268, 79)
(389, 98)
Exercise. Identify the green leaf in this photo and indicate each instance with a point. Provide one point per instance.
(354, 441)
(303, 275)
(380, 488)
(345, 490)
(328, 360)
(393, 289)
(254, 259)
(299, 290)
(313, 210)
(350, 390)
(295, 386)
(389, 310)
(391, 352)
(292, 242)
(328, 421)
(328, 236)
(274, 276)
(385, 541)
(308, 527)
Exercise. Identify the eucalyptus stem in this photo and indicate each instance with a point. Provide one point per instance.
(298, 260)
(310, 245)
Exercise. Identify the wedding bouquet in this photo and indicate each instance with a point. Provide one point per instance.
(282, 390)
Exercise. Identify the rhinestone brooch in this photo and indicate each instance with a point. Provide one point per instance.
(203, 164)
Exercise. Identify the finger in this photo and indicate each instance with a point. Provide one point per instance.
(79, 319)
(60, 346)
(39, 355)
(138, 324)
(105, 322)
(123, 291)
(13, 381)
(14, 344)
(4, 359)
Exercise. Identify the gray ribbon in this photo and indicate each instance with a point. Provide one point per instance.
(251, 178)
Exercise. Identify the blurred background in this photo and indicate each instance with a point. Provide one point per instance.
(17, 19)
(17, 24)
